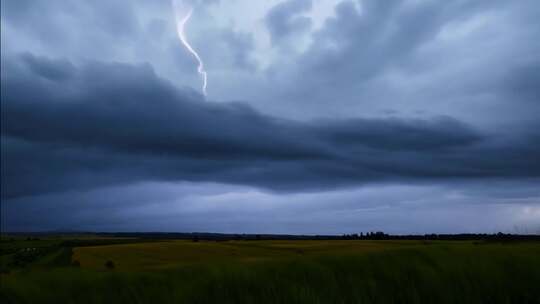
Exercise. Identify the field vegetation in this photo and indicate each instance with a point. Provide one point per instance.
(306, 271)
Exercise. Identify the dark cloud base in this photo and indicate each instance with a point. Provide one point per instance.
(66, 127)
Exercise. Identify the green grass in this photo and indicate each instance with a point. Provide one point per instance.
(286, 272)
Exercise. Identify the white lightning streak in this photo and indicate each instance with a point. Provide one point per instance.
(180, 25)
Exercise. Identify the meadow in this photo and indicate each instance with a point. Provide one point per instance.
(303, 271)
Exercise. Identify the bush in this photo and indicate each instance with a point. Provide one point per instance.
(109, 264)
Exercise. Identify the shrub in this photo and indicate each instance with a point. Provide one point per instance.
(109, 264)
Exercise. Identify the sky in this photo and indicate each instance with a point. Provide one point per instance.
(321, 116)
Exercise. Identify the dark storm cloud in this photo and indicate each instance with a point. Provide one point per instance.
(355, 46)
(51, 69)
(283, 20)
(235, 50)
(523, 83)
(436, 134)
(53, 20)
(107, 124)
(440, 57)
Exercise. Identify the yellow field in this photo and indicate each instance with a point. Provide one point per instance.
(167, 254)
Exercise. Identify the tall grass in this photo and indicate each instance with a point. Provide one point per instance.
(492, 273)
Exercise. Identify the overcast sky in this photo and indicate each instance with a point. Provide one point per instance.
(321, 116)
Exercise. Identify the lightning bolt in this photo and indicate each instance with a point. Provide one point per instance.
(180, 28)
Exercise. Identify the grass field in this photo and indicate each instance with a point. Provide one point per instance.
(162, 255)
(348, 271)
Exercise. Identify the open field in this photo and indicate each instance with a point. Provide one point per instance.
(336, 271)
(170, 254)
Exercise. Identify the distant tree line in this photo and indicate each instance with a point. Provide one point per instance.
(131, 237)
(375, 235)
(379, 235)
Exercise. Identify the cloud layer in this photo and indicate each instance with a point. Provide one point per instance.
(102, 124)
(355, 114)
